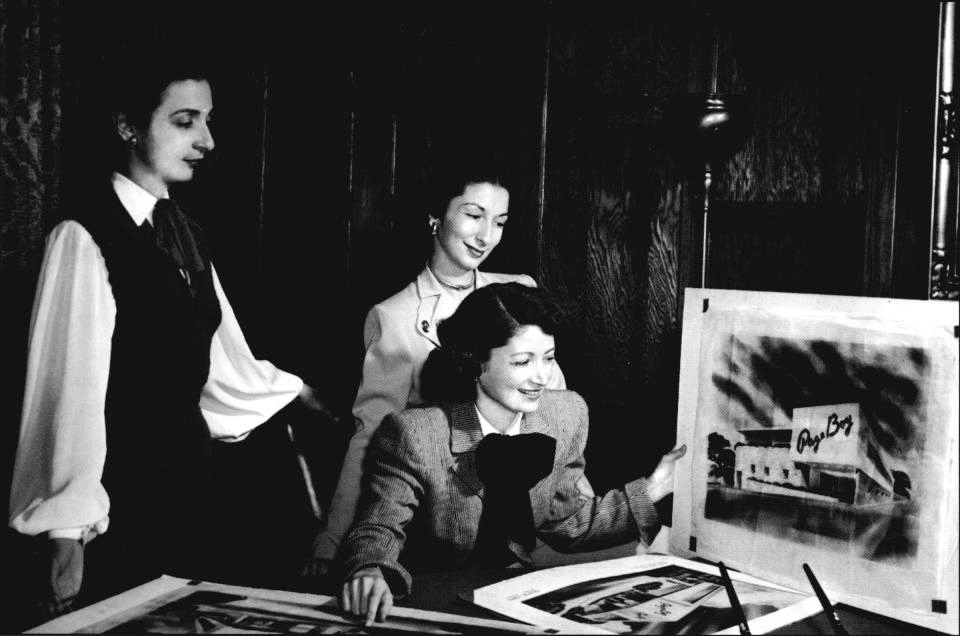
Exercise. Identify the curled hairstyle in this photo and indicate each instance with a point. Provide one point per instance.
(140, 81)
(450, 175)
(142, 77)
(486, 319)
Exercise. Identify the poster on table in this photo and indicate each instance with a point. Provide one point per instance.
(823, 430)
(645, 594)
(170, 605)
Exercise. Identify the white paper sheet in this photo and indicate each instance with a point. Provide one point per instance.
(645, 594)
(173, 605)
(823, 430)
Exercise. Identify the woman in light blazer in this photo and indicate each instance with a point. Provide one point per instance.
(468, 212)
(495, 466)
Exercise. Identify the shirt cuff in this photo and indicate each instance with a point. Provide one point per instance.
(67, 533)
(643, 511)
(84, 535)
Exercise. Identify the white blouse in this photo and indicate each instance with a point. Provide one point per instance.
(60, 456)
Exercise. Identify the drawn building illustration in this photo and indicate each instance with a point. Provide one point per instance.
(827, 454)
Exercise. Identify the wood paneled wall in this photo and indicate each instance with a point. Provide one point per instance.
(325, 125)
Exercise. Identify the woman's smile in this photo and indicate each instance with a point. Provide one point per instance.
(532, 394)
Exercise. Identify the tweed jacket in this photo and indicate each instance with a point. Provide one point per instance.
(398, 335)
(422, 497)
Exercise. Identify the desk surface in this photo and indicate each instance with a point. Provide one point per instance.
(441, 592)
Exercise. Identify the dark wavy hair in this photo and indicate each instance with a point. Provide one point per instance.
(449, 174)
(138, 95)
(140, 83)
(485, 320)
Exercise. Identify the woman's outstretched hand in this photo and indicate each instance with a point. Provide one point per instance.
(367, 595)
(660, 482)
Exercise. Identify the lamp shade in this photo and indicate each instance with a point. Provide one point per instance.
(711, 126)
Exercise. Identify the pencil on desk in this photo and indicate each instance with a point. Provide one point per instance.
(825, 602)
(734, 601)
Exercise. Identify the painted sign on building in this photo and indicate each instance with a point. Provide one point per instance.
(827, 434)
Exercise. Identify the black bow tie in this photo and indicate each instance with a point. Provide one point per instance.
(175, 238)
(509, 466)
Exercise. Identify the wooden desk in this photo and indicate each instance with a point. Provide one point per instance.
(440, 592)
(273, 610)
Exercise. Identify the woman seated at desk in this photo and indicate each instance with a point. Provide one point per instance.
(468, 207)
(475, 480)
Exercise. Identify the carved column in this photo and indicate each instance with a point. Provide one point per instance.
(944, 270)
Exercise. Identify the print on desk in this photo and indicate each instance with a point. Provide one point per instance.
(211, 611)
(818, 441)
(665, 600)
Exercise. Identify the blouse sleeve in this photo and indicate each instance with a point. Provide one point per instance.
(241, 392)
(62, 446)
(388, 368)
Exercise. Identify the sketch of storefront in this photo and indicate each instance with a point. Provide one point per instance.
(822, 479)
(828, 454)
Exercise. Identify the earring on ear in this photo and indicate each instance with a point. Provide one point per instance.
(133, 141)
(434, 225)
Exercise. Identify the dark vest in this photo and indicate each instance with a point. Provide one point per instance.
(158, 444)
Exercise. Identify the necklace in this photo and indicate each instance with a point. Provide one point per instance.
(455, 286)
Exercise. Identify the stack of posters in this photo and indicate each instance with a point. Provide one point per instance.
(824, 430)
(645, 594)
(170, 605)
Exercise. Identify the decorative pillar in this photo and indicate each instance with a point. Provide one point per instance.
(944, 269)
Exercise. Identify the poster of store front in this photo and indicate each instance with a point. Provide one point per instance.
(823, 429)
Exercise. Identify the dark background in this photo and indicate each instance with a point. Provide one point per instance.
(327, 120)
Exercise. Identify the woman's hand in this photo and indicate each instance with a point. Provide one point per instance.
(660, 482)
(309, 398)
(65, 574)
(367, 595)
(317, 568)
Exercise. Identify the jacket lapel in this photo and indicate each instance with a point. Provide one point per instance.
(429, 292)
(540, 495)
(465, 434)
(536, 423)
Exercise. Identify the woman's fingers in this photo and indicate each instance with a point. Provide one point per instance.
(367, 596)
(380, 602)
(386, 605)
(345, 604)
(665, 466)
(362, 596)
(66, 570)
(353, 596)
(373, 604)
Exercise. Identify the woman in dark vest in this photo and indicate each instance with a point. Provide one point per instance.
(136, 362)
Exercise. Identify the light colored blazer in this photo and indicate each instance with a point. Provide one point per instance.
(421, 507)
(399, 333)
